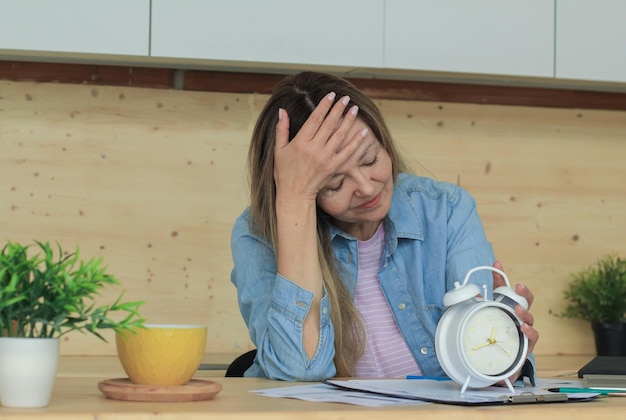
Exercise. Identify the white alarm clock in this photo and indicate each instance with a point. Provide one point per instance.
(479, 341)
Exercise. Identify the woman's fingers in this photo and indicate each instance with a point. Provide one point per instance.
(522, 290)
(498, 280)
(349, 147)
(340, 138)
(282, 129)
(532, 335)
(320, 117)
(328, 121)
(528, 321)
(337, 125)
(524, 315)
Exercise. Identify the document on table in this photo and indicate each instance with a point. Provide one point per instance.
(449, 392)
(388, 392)
(329, 393)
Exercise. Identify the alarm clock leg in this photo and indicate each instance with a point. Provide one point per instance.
(464, 387)
(509, 385)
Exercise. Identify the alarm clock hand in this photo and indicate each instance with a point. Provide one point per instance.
(480, 346)
(503, 349)
(491, 340)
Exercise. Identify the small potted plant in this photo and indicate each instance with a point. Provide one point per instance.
(45, 294)
(598, 294)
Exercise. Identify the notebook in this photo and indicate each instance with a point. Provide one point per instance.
(604, 365)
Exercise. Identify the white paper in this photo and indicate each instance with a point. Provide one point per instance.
(446, 391)
(428, 390)
(548, 383)
(328, 393)
(368, 392)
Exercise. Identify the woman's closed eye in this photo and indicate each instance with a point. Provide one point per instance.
(371, 162)
(335, 188)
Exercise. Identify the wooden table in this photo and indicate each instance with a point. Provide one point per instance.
(76, 397)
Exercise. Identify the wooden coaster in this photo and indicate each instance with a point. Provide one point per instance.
(195, 390)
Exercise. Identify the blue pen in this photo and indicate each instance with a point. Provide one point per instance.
(588, 390)
(432, 378)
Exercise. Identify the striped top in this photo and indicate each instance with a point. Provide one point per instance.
(386, 353)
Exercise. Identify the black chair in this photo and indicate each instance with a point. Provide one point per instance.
(241, 364)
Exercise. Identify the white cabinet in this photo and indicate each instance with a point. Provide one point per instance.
(504, 37)
(558, 39)
(76, 26)
(591, 40)
(320, 32)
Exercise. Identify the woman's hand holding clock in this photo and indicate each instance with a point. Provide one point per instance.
(523, 314)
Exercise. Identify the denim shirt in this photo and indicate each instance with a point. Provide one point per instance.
(434, 236)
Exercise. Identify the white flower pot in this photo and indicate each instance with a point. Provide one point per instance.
(28, 367)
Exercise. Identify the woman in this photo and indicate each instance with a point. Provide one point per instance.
(343, 257)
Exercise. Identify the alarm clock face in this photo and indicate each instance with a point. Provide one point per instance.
(491, 340)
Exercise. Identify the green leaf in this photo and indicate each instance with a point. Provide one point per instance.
(49, 294)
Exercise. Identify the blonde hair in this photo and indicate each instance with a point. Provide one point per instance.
(299, 94)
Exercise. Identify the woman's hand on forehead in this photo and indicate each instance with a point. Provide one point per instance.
(325, 142)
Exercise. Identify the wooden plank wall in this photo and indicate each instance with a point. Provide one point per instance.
(152, 179)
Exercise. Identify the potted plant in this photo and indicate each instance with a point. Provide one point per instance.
(46, 293)
(598, 294)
